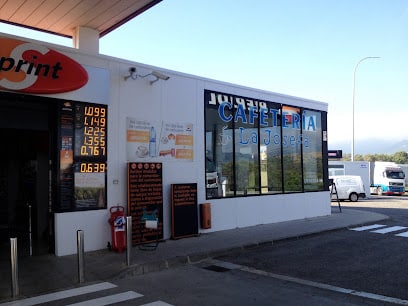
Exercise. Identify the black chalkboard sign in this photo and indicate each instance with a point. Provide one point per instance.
(145, 201)
(184, 210)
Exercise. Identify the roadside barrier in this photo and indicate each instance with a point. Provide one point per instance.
(14, 267)
(128, 239)
(81, 257)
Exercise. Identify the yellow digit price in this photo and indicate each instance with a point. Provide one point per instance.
(92, 167)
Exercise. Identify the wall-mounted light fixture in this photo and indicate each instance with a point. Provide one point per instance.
(133, 75)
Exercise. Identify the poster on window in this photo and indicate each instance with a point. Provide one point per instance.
(141, 139)
(90, 190)
(158, 141)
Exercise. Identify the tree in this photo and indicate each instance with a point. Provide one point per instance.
(400, 157)
(369, 158)
(358, 157)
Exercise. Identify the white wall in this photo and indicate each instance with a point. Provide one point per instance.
(93, 223)
(180, 99)
(242, 212)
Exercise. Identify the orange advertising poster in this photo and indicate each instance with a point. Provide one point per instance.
(176, 141)
(141, 139)
(66, 153)
(137, 136)
(66, 157)
(159, 141)
(184, 140)
(184, 154)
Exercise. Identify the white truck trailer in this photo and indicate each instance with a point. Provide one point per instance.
(360, 168)
(387, 178)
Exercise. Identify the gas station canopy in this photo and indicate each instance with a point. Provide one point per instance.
(61, 17)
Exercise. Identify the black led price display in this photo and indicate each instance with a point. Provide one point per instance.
(82, 156)
(90, 130)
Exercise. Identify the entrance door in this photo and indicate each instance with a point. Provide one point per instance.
(24, 176)
(24, 188)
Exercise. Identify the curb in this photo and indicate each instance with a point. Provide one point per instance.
(156, 266)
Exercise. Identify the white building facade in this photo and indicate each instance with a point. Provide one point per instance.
(257, 157)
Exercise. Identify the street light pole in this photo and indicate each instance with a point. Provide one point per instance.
(354, 87)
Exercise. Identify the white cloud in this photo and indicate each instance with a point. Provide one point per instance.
(368, 125)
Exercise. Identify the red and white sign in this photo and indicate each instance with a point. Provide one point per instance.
(32, 68)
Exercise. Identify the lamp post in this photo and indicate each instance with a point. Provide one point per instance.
(354, 86)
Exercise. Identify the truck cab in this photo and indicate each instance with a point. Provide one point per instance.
(389, 179)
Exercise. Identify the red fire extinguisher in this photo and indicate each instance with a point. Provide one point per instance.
(117, 221)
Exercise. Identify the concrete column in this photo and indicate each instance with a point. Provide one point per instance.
(86, 39)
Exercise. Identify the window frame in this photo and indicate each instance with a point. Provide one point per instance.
(213, 99)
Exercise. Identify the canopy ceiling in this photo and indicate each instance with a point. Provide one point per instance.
(61, 17)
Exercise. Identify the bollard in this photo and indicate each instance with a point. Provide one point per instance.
(128, 239)
(14, 267)
(30, 234)
(81, 257)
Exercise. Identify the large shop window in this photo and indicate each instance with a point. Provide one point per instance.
(258, 147)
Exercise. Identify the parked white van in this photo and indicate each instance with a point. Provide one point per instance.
(349, 187)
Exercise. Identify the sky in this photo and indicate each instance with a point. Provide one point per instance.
(309, 49)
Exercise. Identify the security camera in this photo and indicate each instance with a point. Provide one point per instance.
(160, 75)
(132, 74)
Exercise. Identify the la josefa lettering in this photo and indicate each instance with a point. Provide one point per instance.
(32, 68)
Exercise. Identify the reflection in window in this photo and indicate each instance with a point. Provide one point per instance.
(219, 155)
(271, 152)
(312, 151)
(258, 147)
(246, 152)
(291, 148)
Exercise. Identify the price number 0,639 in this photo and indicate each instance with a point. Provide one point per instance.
(92, 167)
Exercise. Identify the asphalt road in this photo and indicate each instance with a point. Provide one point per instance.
(394, 206)
(208, 283)
(372, 262)
(343, 267)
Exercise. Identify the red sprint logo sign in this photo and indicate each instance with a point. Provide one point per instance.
(32, 68)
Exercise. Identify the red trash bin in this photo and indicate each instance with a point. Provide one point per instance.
(117, 221)
(205, 210)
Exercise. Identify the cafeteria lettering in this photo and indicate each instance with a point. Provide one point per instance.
(247, 110)
(289, 119)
